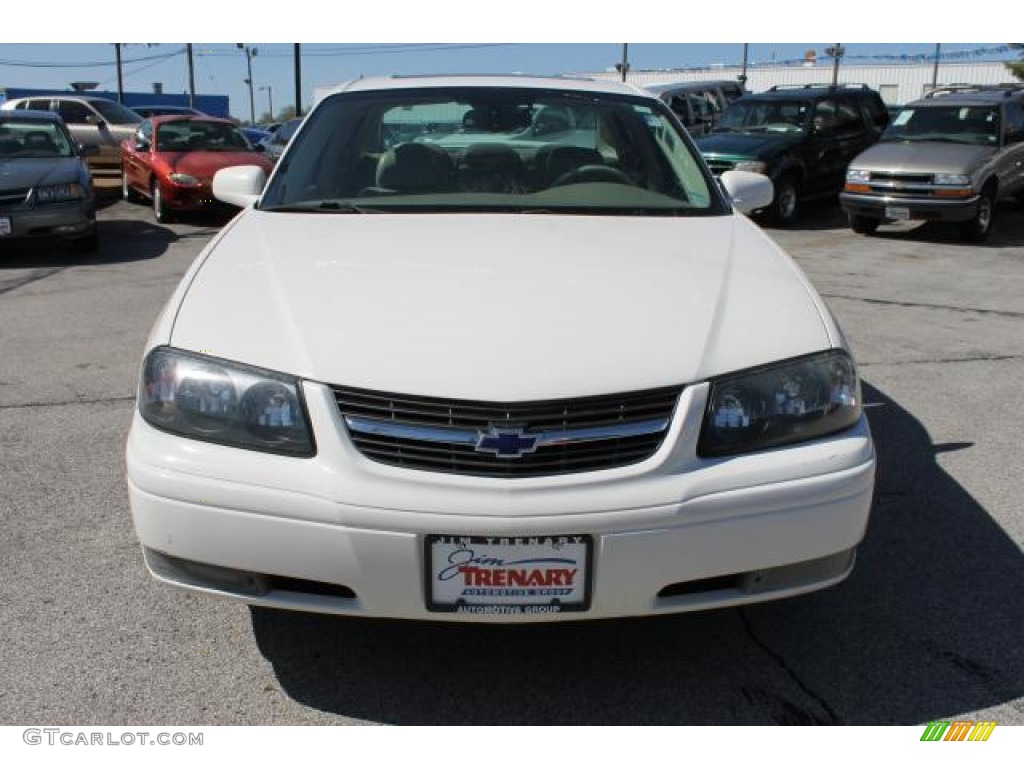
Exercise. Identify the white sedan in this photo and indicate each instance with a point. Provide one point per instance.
(497, 349)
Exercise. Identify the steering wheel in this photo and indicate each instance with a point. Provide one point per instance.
(592, 173)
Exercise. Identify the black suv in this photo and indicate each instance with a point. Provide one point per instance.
(801, 137)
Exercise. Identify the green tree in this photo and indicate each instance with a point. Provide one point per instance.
(287, 113)
(1016, 67)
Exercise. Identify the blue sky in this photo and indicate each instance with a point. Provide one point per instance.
(409, 37)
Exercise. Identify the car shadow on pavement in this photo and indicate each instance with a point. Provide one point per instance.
(927, 627)
(121, 240)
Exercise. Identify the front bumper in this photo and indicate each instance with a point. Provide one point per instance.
(920, 209)
(340, 534)
(68, 220)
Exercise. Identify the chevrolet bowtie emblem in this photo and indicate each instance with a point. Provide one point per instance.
(506, 442)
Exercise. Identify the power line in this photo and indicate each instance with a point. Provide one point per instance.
(82, 64)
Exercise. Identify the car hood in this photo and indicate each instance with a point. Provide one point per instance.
(737, 144)
(499, 307)
(922, 157)
(19, 173)
(204, 164)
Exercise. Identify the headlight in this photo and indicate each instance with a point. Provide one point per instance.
(58, 193)
(856, 174)
(753, 166)
(787, 402)
(952, 179)
(184, 179)
(221, 402)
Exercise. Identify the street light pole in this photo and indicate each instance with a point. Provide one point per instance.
(191, 77)
(120, 75)
(836, 52)
(298, 80)
(249, 53)
(270, 98)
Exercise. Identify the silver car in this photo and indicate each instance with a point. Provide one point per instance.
(45, 187)
(949, 157)
(92, 121)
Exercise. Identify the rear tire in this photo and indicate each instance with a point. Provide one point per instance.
(863, 225)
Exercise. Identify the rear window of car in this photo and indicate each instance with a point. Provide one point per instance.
(495, 149)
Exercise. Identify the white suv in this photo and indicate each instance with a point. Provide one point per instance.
(496, 349)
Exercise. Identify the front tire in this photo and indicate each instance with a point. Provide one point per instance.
(785, 207)
(128, 194)
(863, 225)
(979, 228)
(161, 212)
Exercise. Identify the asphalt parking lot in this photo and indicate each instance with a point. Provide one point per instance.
(928, 626)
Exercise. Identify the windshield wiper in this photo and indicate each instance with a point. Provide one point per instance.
(322, 206)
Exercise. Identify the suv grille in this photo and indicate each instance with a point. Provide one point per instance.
(569, 435)
(12, 197)
(719, 167)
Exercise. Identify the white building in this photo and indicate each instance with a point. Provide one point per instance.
(897, 83)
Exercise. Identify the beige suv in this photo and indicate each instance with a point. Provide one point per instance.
(92, 121)
(947, 157)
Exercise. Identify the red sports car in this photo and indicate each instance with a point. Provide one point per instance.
(171, 160)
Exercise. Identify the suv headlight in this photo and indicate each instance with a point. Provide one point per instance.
(856, 174)
(779, 404)
(952, 179)
(222, 402)
(752, 166)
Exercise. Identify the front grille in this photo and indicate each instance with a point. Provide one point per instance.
(12, 197)
(720, 166)
(599, 432)
(902, 178)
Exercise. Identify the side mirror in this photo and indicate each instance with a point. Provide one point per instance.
(94, 120)
(748, 191)
(141, 145)
(239, 185)
(88, 150)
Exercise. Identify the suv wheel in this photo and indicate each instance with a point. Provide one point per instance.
(160, 211)
(785, 208)
(864, 225)
(979, 228)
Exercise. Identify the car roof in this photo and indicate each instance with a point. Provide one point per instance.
(31, 114)
(65, 96)
(807, 93)
(683, 85)
(552, 82)
(180, 118)
(981, 97)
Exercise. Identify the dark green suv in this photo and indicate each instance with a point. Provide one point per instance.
(801, 137)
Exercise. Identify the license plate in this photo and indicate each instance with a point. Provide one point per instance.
(508, 575)
(897, 213)
(5, 225)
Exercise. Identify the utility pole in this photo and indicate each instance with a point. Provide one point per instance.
(298, 81)
(191, 77)
(743, 76)
(623, 66)
(249, 53)
(120, 75)
(935, 69)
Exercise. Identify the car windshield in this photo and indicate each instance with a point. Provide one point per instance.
(946, 123)
(752, 115)
(114, 113)
(200, 135)
(491, 149)
(33, 138)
